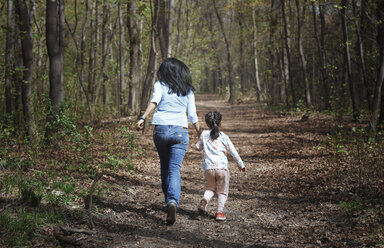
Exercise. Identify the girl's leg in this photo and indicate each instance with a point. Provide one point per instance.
(208, 194)
(221, 199)
(222, 180)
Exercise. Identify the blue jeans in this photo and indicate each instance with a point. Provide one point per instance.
(171, 144)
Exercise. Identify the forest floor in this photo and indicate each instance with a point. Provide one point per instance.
(285, 198)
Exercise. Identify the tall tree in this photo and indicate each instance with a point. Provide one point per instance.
(122, 89)
(55, 46)
(287, 51)
(27, 52)
(321, 52)
(166, 17)
(134, 58)
(303, 61)
(347, 56)
(232, 97)
(255, 61)
(380, 75)
(151, 68)
(360, 47)
(9, 56)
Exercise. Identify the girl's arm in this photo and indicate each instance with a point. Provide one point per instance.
(140, 123)
(235, 154)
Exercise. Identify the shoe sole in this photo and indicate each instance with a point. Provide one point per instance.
(171, 216)
(221, 219)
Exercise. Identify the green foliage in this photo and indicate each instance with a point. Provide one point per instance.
(21, 227)
(351, 207)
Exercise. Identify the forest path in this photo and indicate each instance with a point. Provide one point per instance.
(281, 201)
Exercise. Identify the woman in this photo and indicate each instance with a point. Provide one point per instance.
(172, 97)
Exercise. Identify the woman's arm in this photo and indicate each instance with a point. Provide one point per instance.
(140, 123)
(197, 128)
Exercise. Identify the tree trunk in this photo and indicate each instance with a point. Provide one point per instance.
(9, 56)
(150, 75)
(320, 49)
(27, 52)
(271, 80)
(55, 46)
(241, 69)
(122, 62)
(178, 28)
(79, 61)
(257, 79)
(301, 52)
(165, 27)
(380, 77)
(134, 59)
(104, 53)
(287, 52)
(360, 50)
(352, 85)
(232, 97)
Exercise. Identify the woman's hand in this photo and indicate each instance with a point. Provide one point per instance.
(139, 125)
(243, 169)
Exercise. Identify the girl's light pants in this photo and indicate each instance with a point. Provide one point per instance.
(217, 181)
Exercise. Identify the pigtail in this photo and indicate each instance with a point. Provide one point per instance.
(214, 132)
(213, 120)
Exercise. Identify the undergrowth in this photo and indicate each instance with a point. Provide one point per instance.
(38, 182)
(357, 161)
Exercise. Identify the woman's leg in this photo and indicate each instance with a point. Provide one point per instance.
(179, 138)
(160, 139)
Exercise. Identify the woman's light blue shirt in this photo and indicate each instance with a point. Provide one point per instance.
(172, 109)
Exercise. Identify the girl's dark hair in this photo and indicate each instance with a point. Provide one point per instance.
(176, 75)
(213, 119)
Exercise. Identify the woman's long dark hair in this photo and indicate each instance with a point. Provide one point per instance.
(213, 120)
(176, 75)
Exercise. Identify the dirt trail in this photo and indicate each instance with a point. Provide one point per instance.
(281, 201)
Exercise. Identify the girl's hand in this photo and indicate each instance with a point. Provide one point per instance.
(139, 125)
(242, 169)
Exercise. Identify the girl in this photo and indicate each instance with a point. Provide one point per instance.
(215, 145)
(172, 97)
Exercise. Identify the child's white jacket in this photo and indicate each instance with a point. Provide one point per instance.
(215, 151)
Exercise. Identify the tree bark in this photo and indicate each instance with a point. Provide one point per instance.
(254, 43)
(352, 85)
(103, 78)
(55, 46)
(27, 52)
(380, 77)
(320, 49)
(287, 52)
(232, 97)
(178, 28)
(134, 59)
(165, 27)
(241, 68)
(303, 61)
(9, 56)
(151, 68)
(122, 92)
(360, 49)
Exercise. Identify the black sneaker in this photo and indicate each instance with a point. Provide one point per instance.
(171, 213)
